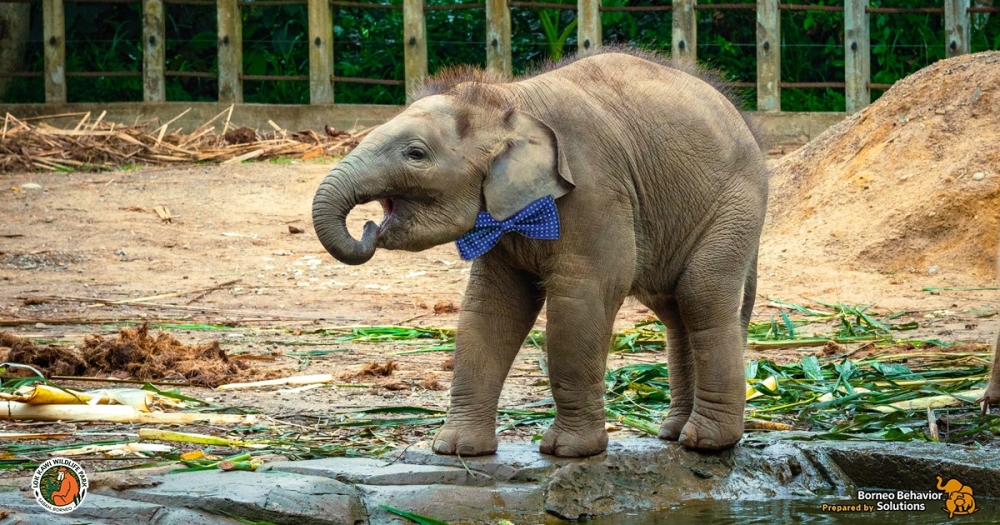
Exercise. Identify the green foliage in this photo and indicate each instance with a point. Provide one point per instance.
(556, 36)
(539, 35)
(192, 45)
(416, 518)
(369, 44)
(455, 37)
(276, 43)
(98, 47)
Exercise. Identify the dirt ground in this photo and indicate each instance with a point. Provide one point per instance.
(872, 225)
(83, 244)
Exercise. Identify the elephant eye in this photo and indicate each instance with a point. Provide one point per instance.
(414, 154)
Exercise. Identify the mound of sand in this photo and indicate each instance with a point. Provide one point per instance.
(909, 184)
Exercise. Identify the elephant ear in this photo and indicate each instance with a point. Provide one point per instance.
(532, 165)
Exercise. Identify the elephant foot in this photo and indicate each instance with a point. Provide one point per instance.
(990, 398)
(711, 433)
(565, 443)
(465, 440)
(673, 424)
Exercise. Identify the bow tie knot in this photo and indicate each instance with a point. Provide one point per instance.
(538, 220)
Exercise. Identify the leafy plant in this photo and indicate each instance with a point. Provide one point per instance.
(556, 37)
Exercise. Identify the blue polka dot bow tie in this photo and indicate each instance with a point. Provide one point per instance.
(538, 220)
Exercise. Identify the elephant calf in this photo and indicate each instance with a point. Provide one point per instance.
(617, 175)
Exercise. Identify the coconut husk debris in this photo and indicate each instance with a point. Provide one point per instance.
(94, 144)
(135, 354)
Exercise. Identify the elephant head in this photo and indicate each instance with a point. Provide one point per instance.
(952, 486)
(434, 167)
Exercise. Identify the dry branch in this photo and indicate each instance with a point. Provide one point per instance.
(102, 145)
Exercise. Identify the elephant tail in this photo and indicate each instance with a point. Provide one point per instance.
(749, 296)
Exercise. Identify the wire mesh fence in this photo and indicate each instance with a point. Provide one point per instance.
(811, 55)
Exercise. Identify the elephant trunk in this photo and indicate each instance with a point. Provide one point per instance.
(337, 195)
(940, 486)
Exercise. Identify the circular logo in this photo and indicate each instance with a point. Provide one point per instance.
(59, 485)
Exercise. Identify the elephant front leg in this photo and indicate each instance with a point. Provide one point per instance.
(499, 309)
(580, 320)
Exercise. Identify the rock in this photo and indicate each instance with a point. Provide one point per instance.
(31, 186)
(512, 462)
(122, 480)
(521, 503)
(978, 175)
(272, 496)
(916, 466)
(648, 474)
(519, 483)
(634, 474)
(374, 472)
(97, 508)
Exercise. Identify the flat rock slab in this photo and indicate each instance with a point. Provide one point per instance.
(376, 472)
(518, 483)
(277, 497)
(521, 503)
(916, 466)
(104, 510)
(516, 462)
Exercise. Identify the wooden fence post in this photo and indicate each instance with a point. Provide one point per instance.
(588, 26)
(857, 58)
(956, 27)
(415, 47)
(230, 52)
(768, 56)
(154, 83)
(320, 52)
(54, 31)
(684, 30)
(498, 57)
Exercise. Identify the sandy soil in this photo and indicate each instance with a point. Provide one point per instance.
(82, 243)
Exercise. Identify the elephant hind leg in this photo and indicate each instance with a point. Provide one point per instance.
(680, 363)
(711, 299)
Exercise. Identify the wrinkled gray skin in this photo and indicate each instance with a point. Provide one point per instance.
(661, 190)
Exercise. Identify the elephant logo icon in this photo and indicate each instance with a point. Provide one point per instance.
(960, 500)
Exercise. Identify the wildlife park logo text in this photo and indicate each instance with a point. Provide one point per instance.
(59, 485)
(952, 497)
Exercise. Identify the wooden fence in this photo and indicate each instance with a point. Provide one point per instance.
(321, 76)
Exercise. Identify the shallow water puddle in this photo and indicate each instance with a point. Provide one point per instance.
(797, 511)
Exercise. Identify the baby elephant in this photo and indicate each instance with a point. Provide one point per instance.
(610, 176)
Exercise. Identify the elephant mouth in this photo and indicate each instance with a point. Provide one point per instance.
(389, 207)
